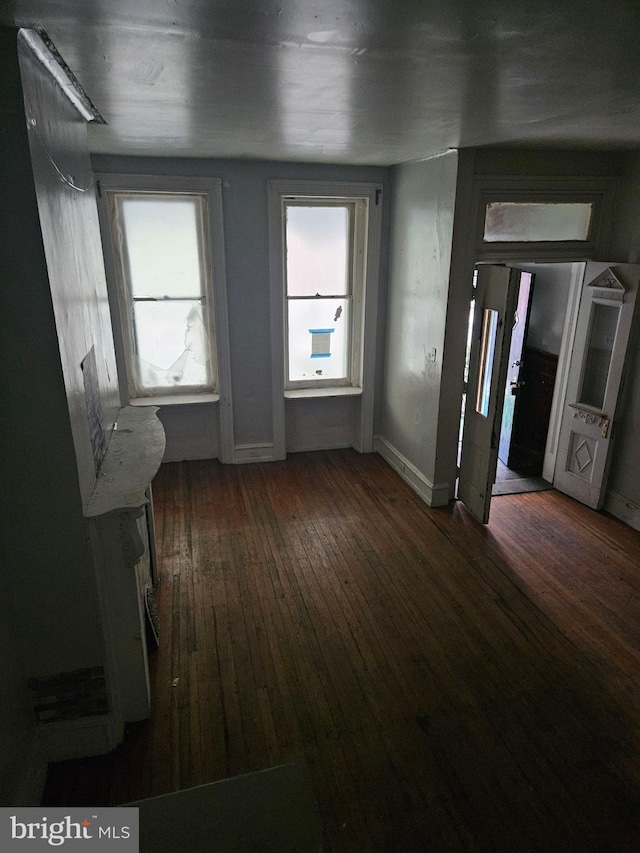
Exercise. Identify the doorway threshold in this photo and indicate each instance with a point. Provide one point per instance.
(520, 485)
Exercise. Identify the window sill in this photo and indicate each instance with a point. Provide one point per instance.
(175, 400)
(335, 391)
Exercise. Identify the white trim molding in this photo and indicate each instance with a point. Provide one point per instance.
(433, 494)
(598, 191)
(212, 189)
(623, 509)
(255, 453)
(562, 371)
(372, 193)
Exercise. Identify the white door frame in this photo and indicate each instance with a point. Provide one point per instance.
(562, 372)
(564, 357)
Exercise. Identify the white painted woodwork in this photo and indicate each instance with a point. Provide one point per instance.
(587, 428)
(119, 536)
(562, 372)
(56, 311)
(58, 141)
(216, 434)
(133, 456)
(362, 437)
(599, 192)
(193, 430)
(53, 312)
(496, 290)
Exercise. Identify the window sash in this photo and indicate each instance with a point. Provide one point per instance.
(139, 386)
(346, 354)
(322, 203)
(356, 249)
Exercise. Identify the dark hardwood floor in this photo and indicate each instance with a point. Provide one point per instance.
(450, 687)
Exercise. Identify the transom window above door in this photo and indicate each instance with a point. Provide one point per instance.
(542, 218)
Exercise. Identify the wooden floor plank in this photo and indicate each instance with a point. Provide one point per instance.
(450, 686)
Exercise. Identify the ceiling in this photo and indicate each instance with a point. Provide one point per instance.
(347, 81)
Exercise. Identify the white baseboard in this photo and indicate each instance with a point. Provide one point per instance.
(623, 509)
(254, 453)
(310, 446)
(81, 737)
(433, 495)
(32, 779)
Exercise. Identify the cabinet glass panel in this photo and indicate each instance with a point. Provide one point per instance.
(534, 222)
(602, 334)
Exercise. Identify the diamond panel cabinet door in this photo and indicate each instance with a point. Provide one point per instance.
(596, 369)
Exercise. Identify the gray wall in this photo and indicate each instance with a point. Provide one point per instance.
(22, 264)
(58, 600)
(423, 205)
(49, 603)
(71, 237)
(624, 479)
(309, 423)
(22, 767)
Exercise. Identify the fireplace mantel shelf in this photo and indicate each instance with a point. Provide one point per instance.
(133, 456)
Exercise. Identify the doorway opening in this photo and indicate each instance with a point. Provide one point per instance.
(539, 328)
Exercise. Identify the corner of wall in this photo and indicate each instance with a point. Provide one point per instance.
(433, 494)
(622, 509)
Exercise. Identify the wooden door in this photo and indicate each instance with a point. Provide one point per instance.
(533, 412)
(595, 375)
(514, 382)
(496, 293)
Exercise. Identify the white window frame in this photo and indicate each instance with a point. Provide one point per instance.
(367, 199)
(120, 299)
(358, 216)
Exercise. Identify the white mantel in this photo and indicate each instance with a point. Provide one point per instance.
(120, 544)
(133, 456)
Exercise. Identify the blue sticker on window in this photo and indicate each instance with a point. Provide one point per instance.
(321, 343)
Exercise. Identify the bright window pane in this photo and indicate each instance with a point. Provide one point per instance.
(530, 222)
(602, 334)
(161, 234)
(487, 352)
(318, 339)
(317, 250)
(172, 345)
